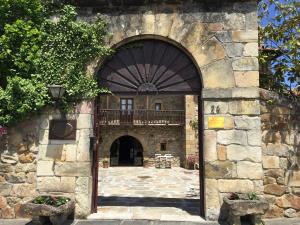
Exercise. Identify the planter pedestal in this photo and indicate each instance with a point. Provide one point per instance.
(43, 213)
(253, 209)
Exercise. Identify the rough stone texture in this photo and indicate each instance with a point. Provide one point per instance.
(280, 147)
(236, 185)
(221, 41)
(270, 162)
(239, 152)
(231, 137)
(246, 78)
(244, 167)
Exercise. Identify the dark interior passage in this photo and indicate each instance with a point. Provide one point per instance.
(126, 151)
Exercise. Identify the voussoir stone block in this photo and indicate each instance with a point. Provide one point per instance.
(218, 74)
(236, 185)
(226, 137)
(72, 169)
(212, 50)
(249, 170)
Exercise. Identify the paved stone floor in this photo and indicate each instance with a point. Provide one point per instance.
(148, 193)
(280, 221)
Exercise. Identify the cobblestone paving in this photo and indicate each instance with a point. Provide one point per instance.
(148, 193)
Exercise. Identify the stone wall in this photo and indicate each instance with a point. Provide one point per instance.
(221, 38)
(18, 152)
(168, 102)
(150, 137)
(32, 164)
(281, 154)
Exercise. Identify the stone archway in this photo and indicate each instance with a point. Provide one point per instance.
(126, 151)
(154, 66)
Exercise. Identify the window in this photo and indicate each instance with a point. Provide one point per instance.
(126, 104)
(157, 106)
(163, 146)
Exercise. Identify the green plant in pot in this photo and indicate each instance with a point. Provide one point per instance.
(105, 163)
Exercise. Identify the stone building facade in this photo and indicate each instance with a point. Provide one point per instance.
(221, 38)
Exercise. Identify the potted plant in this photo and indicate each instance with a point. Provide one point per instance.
(146, 163)
(249, 205)
(190, 162)
(54, 208)
(105, 163)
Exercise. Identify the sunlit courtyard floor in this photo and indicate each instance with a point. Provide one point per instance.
(148, 193)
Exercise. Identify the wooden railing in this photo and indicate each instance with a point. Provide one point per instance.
(141, 117)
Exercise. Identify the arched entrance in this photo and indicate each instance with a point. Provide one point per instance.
(148, 67)
(126, 151)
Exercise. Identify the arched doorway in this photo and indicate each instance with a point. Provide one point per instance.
(149, 67)
(126, 151)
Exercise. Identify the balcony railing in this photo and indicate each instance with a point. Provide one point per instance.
(141, 117)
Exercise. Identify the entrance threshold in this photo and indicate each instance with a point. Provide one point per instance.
(143, 213)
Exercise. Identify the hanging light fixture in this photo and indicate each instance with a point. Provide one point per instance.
(57, 91)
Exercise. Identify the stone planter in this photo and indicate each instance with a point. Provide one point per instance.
(252, 209)
(105, 164)
(147, 163)
(42, 212)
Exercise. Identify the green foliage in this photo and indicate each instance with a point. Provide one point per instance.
(252, 196)
(194, 124)
(68, 45)
(280, 32)
(20, 98)
(36, 51)
(51, 200)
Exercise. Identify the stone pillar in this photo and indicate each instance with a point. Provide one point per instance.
(64, 167)
(191, 134)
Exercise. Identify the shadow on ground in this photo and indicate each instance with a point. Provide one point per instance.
(192, 206)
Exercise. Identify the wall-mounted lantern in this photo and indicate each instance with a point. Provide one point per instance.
(57, 91)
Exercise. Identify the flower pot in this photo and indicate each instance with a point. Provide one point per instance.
(105, 164)
(146, 164)
(57, 215)
(245, 207)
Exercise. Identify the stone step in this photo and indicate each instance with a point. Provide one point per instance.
(141, 222)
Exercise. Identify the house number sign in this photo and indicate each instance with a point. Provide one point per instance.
(216, 122)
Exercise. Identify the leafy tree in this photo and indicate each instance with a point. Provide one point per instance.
(279, 33)
(36, 51)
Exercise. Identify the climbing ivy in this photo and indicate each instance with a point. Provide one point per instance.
(39, 47)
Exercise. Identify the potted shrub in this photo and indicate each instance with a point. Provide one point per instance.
(190, 162)
(250, 206)
(54, 208)
(146, 163)
(105, 163)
